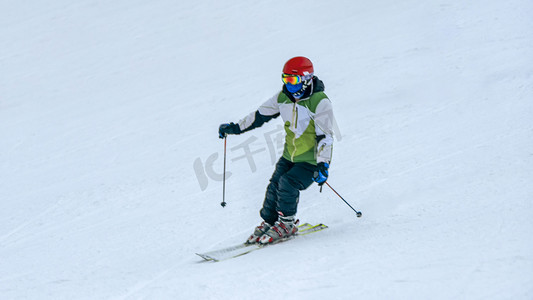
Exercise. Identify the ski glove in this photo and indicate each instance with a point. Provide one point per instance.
(226, 129)
(321, 173)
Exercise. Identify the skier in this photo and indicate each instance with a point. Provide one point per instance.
(308, 118)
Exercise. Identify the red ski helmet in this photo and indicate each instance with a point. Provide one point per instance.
(298, 65)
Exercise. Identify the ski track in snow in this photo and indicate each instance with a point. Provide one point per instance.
(26, 224)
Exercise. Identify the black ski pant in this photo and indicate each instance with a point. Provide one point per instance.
(283, 191)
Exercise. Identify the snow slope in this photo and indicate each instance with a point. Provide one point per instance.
(110, 162)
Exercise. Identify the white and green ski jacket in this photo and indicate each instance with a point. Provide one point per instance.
(308, 123)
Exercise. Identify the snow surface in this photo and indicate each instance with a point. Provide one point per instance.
(110, 160)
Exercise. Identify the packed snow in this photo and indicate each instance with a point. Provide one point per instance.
(111, 166)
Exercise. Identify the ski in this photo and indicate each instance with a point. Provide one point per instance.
(242, 249)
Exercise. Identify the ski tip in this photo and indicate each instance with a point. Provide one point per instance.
(206, 257)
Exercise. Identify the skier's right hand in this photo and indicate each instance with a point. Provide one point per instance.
(321, 173)
(226, 129)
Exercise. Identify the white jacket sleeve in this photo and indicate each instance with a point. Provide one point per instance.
(266, 112)
(324, 121)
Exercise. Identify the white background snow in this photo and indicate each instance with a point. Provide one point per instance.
(109, 154)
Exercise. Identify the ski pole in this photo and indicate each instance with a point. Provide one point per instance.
(358, 213)
(223, 203)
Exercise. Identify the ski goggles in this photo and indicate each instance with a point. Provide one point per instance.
(294, 79)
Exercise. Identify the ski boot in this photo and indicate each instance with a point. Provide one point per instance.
(284, 228)
(258, 233)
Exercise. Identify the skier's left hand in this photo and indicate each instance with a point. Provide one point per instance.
(226, 129)
(321, 173)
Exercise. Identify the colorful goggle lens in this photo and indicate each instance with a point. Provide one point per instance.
(291, 79)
